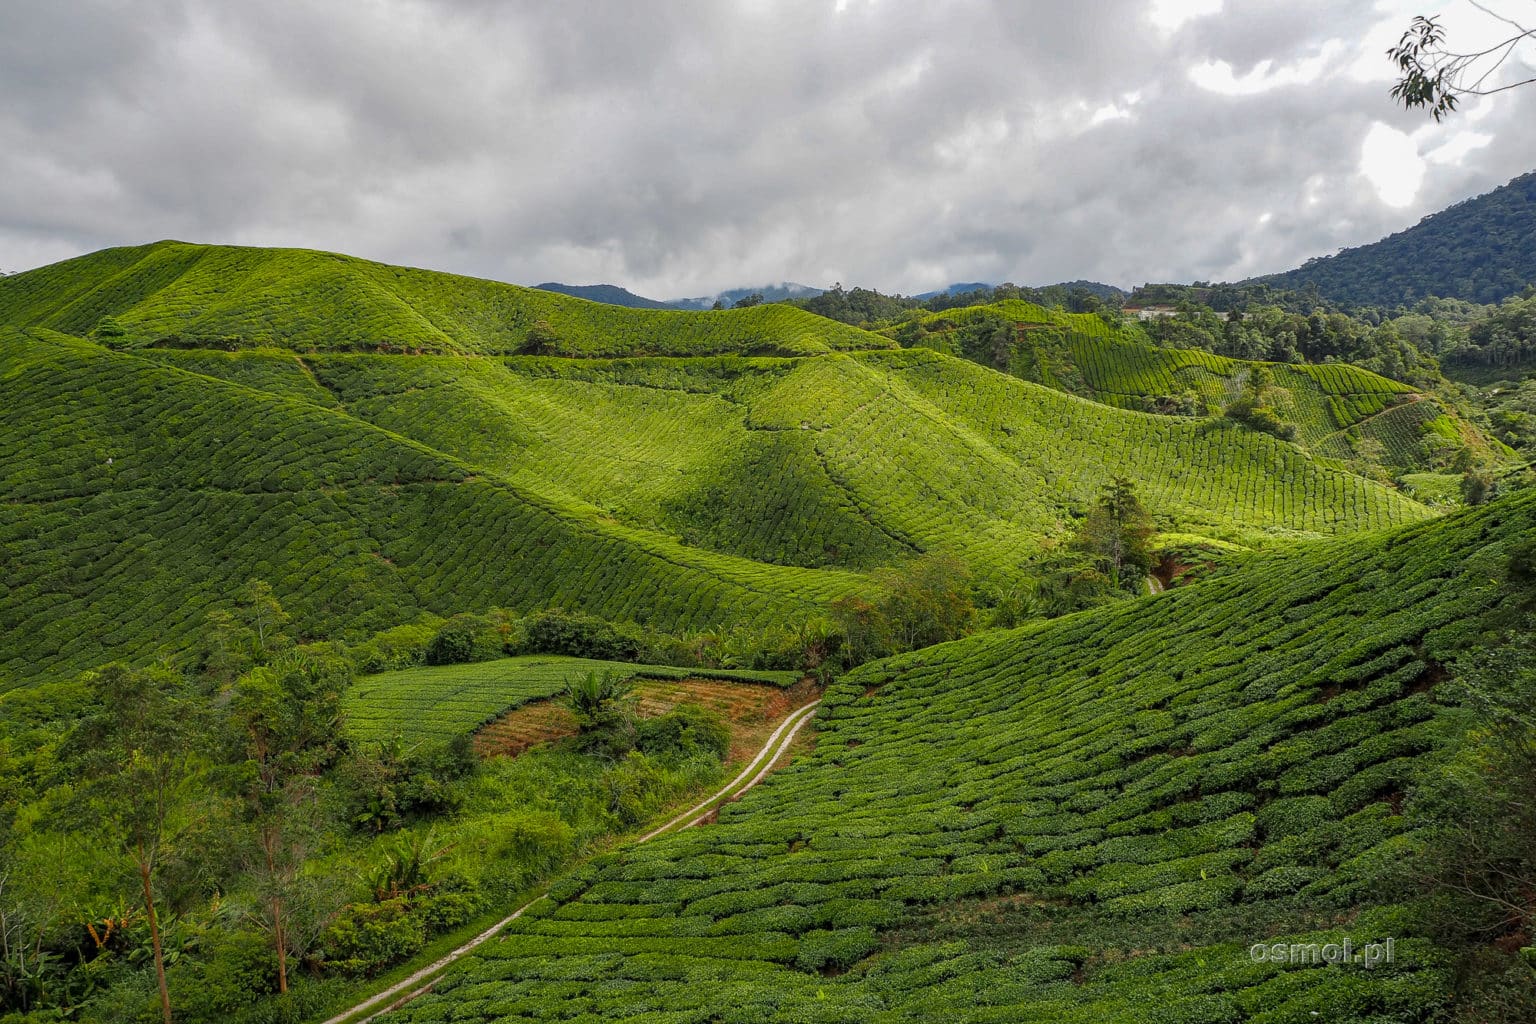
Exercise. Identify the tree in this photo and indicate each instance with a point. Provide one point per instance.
(747, 301)
(287, 716)
(1118, 534)
(927, 603)
(1067, 580)
(137, 761)
(1436, 77)
(597, 699)
(541, 339)
(1252, 406)
(602, 703)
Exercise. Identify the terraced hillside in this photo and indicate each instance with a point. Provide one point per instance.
(1058, 823)
(173, 294)
(1339, 411)
(136, 495)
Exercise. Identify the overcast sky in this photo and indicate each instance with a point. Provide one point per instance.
(680, 148)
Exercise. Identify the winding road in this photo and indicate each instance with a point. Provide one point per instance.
(408, 988)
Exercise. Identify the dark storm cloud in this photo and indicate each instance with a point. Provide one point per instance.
(682, 147)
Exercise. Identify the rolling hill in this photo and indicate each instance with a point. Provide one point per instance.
(851, 460)
(144, 483)
(694, 493)
(1087, 820)
(137, 495)
(1479, 250)
(172, 294)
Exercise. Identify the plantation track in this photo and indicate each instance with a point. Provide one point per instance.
(410, 987)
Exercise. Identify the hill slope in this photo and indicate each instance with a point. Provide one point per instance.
(1479, 250)
(1058, 823)
(142, 486)
(135, 496)
(206, 296)
(853, 460)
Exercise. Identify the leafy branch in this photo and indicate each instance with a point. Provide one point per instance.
(1437, 77)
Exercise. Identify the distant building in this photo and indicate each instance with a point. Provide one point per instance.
(1150, 312)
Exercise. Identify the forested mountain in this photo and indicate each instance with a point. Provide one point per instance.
(1479, 250)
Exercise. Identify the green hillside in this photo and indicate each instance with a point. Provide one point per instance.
(1339, 411)
(142, 488)
(854, 460)
(172, 294)
(1088, 820)
(136, 496)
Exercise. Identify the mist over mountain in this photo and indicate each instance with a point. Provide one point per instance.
(731, 296)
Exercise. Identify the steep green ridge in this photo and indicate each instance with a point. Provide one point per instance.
(1479, 250)
(135, 496)
(440, 702)
(173, 294)
(1058, 823)
(1340, 411)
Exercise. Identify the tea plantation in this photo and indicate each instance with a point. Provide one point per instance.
(846, 460)
(1339, 411)
(445, 701)
(1087, 820)
(143, 487)
(252, 473)
(137, 496)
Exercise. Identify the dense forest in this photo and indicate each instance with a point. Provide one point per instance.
(1478, 250)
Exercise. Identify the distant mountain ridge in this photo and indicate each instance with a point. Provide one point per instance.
(1479, 249)
(1099, 288)
(609, 293)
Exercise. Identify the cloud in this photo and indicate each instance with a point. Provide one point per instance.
(683, 147)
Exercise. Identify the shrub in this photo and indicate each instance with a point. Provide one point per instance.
(690, 729)
(581, 636)
(396, 648)
(465, 637)
(365, 938)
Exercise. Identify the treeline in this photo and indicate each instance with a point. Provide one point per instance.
(1250, 320)
(867, 308)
